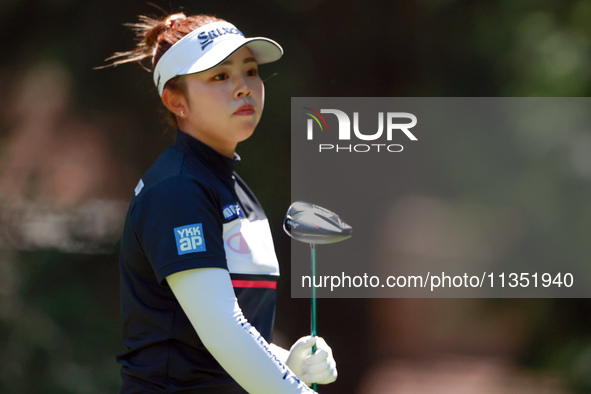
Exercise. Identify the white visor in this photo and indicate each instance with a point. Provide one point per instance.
(208, 46)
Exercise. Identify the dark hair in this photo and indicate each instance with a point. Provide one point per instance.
(154, 37)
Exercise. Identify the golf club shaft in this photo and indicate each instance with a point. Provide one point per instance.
(312, 224)
(313, 316)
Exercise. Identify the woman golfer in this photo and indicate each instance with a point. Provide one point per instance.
(198, 267)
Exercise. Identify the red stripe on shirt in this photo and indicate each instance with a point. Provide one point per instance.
(258, 284)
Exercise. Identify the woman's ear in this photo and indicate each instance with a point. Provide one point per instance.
(174, 101)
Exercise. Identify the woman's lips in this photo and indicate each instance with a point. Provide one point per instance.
(245, 110)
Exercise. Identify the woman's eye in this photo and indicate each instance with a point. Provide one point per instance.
(252, 73)
(220, 77)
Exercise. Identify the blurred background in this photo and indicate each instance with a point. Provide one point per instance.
(74, 141)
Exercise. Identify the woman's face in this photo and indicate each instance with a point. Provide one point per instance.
(225, 103)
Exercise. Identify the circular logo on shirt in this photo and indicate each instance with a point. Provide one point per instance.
(237, 244)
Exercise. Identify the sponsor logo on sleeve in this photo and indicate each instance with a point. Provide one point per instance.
(189, 239)
(232, 211)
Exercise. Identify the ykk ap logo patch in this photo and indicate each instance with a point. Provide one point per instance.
(189, 239)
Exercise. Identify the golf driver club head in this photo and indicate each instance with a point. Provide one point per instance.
(312, 224)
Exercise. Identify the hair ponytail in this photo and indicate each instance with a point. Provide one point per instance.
(155, 36)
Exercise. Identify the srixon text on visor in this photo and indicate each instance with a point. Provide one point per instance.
(206, 38)
(394, 124)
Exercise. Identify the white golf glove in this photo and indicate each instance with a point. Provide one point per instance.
(319, 367)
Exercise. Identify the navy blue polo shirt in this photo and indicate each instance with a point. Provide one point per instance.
(190, 210)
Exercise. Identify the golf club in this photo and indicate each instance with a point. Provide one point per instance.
(312, 224)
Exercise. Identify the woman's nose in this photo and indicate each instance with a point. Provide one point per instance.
(243, 90)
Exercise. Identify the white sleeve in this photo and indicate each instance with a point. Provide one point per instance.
(207, 298)
(280, 352)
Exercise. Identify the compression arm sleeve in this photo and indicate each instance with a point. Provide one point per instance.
(281, 353)
(207, 298)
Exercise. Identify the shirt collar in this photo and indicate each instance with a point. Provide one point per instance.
(206, 154)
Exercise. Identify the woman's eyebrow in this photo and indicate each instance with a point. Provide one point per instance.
(246, 60)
